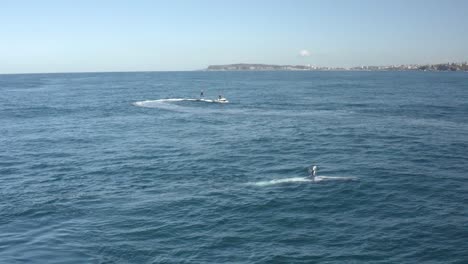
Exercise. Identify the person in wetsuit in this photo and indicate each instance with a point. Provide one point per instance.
(313, 171)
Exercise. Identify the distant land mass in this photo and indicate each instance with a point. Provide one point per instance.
(408, 67)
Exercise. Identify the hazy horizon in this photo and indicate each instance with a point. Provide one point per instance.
(118, 36)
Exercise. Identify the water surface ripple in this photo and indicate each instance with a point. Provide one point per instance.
(129, 168)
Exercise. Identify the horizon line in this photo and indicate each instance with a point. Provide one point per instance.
(333, 68)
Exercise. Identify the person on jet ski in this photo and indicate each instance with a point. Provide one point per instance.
(313, 170)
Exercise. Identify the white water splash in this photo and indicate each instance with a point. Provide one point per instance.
(302, 179)
(156, 103)
(280, 181)
(334, 178)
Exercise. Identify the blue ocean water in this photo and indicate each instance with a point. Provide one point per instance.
(103, 168)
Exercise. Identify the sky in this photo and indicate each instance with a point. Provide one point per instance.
(145, 35)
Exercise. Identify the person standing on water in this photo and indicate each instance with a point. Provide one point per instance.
(201, 94)
(313, 170)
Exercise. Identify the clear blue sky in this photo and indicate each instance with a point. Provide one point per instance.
(114, 35)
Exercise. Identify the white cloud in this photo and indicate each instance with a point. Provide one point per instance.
(304, 53)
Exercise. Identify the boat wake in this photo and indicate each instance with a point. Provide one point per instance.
(302, 179)
(156, 103)
(176, 105)
(334, 178)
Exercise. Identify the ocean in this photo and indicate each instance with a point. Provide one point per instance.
(131, 168)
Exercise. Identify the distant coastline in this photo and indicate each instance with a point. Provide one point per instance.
(407, 67)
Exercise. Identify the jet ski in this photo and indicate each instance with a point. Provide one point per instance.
(221, 100)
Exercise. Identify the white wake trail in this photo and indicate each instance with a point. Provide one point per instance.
(280, 181)
(301, 180)
(334, 178)
(159, 102)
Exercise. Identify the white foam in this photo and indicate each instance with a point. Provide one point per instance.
(161, 104)
(280, 181)
(158, 102)
(336, 178)
(302, 179)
